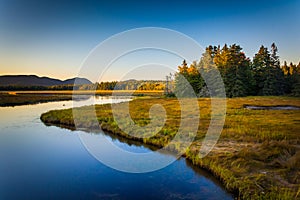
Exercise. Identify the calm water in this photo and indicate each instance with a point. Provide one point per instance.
(40, 162)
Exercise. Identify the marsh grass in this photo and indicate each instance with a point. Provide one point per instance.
(15, 99)
(256, 157)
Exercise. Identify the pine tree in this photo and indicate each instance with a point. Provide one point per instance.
(278, 75)
(267, 73)
(285, 69)
(188, 81)
(289, 76)
(235, 70)
(259, 65)
(213, 85)
(295, 79)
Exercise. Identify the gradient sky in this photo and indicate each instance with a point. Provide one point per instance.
(52, 38)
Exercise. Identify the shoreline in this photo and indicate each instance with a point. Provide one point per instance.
(245, 188)
(149, 145)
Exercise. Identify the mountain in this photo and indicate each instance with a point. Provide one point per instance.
(77, 81)
(33, 80)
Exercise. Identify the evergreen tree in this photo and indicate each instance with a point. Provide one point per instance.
(194, 78)
(269, 77)
(188, 81)
(260, 63)
(277, 73)
(235, 70)
(213, 85)
(287, 78)
(295, 79)
(285, 69)
(290, 77)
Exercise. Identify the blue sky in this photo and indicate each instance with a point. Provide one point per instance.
(52, 38)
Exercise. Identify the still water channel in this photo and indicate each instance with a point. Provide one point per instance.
(47, 162)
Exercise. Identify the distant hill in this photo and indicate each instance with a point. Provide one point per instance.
(79, 81)
(33, 80)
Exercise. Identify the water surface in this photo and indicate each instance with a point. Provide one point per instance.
(41, 162)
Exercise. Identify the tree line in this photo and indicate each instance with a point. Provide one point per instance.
(108, 85)
(241, 76)
(132, 85)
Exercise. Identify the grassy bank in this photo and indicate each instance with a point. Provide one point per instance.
(14, 99)
(256, 157)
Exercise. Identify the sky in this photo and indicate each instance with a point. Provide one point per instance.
(53, 38)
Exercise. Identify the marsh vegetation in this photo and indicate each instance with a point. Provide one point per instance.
(14, 99)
